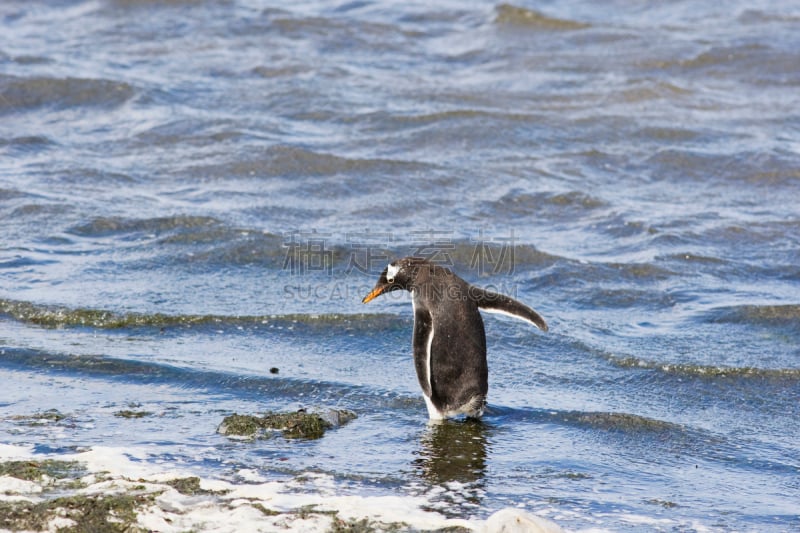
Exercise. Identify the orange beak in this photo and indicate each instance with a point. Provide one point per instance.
(377, 291)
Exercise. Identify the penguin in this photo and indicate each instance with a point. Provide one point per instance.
(449, 340)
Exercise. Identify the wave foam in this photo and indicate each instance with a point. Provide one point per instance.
(220, 505)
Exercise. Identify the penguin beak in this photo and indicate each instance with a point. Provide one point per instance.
(377, 291)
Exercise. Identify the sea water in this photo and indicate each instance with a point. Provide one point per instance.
(195, 196)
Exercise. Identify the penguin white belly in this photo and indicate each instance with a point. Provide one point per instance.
(433, 412)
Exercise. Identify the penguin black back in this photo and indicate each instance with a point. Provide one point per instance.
(449, 340)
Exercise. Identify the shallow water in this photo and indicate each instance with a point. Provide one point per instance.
(195, 193)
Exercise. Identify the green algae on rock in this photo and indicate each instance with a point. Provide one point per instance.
(130, 413)
(364, 525)
(38, 470)
(40, 418)
(190, 486)
(97, 512)
(297, 425)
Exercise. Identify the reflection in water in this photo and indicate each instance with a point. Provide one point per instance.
(452, 456)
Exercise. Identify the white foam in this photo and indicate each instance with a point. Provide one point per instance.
(644, 520)
(13, 488)
(129, 462)
(250, 475)
(518, 521)
(10, 452)
(61, 522)
(238, 506)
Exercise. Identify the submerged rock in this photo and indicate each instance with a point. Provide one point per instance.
(240, 425)
(298, 425)
(336, 417)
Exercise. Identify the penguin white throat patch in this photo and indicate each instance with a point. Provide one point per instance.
(391, 272)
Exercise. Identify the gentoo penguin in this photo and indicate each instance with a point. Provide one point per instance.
(449, 340)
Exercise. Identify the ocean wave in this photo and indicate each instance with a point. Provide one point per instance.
(603, 298)
(757, 64)
(357, 32)
(20, 94)
(293, 161)
(706, 371)
(193, 132)
(104, 226)
(572, 273)
(618, 422)
(51, 316)
(150, 4)
(567, 205)
(365, 252)
(768, 168)
(207, 242)
(26, 144)
(381, 120)
(601, 420)
(368, 254)
(758, 16)
(757, 315)
(520, 16)
(11, 194)
(695, 259)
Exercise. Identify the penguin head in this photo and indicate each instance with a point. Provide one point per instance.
(397, 275)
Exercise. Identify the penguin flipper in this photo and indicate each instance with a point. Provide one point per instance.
(494, 302)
